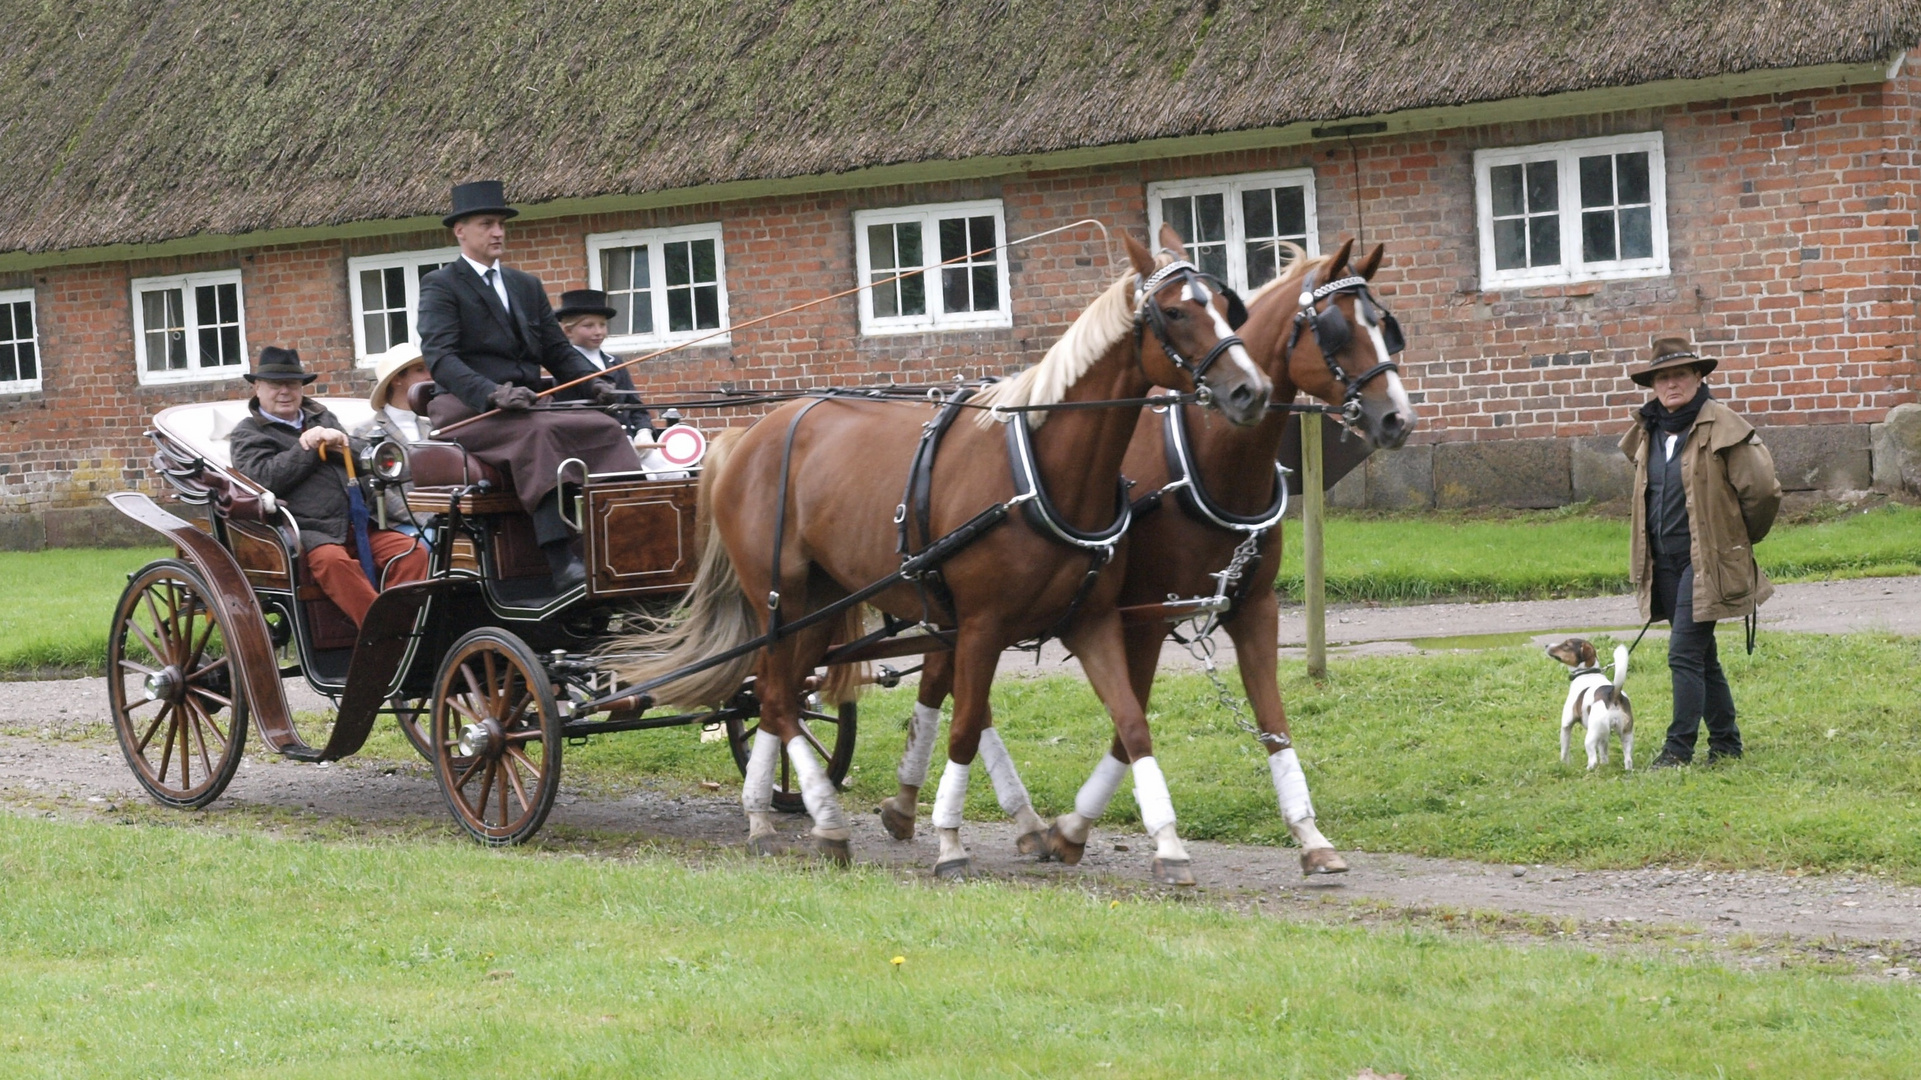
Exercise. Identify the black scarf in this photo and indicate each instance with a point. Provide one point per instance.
(1658, 418)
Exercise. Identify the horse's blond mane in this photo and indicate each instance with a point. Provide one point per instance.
(1108, 319)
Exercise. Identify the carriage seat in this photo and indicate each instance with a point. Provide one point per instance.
(439, 468)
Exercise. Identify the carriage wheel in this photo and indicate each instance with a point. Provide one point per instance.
(831, 733)
(169, 679)
(495, 736)
(414, 718)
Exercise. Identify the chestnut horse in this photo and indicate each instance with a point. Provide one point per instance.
(1173, 550)
(805, 503)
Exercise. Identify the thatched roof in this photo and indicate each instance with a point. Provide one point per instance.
(140, 121)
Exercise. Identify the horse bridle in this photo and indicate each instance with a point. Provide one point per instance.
(1332, 333)
(1150, 316)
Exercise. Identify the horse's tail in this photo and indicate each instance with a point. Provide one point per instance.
(715, 615)
(844, 681)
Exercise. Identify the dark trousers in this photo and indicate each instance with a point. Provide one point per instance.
(1700, 687)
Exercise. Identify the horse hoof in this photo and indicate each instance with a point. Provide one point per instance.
(1055, 845)
(962, 867)
(1174, 871)
(1323, 860)
(763, 845)
(838, 852)
(899, 825)
(1033, 843)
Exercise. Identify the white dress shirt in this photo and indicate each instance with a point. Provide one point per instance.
(500, 279)
(598, 358)
(405, 422)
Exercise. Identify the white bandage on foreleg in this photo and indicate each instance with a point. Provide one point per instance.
(920, 745)
(823, 803)
(1094, 795)
(951, 798)
(1290, 784)
(757, 787)
(1150, 790)
(1000, 769)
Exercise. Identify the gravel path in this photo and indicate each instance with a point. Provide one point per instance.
(73, 769)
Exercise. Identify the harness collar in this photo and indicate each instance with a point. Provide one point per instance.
(1186, 482)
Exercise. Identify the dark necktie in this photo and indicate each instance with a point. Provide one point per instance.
(488, 277)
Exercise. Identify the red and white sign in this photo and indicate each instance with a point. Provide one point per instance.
(682, 446)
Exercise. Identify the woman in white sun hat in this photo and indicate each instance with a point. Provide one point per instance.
(395, 372)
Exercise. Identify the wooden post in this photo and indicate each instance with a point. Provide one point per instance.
(1313, 490)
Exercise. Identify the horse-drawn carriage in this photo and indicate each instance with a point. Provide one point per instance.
(486, 672)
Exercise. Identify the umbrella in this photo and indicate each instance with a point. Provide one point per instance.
(357, 515)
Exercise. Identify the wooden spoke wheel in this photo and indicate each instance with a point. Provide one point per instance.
(495, 736)
(178, 712)
(414, 718)
(831, 733)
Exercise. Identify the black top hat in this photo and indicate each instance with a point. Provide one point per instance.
(276, 364)
(478, 197)
(584, 302)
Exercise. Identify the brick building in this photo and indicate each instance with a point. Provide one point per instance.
(1555, 183)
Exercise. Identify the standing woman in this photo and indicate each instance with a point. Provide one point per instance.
(1704, 494)
(583, 318)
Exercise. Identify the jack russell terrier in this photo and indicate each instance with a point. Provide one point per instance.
(1595, 702)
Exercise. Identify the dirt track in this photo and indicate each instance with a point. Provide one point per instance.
(60, 760)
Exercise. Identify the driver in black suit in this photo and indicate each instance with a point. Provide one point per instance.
(488, 332)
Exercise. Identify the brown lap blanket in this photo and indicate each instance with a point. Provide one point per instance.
(529, 446)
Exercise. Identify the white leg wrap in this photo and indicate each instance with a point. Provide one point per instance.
(1150, 790)
(757, 788)
(1000, 769)
(1290, 783)
(951, 798)
(920, 745)
(823, 803)
(1094, 795)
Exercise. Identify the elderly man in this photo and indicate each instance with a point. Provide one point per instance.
(279, 445)
(487, 331)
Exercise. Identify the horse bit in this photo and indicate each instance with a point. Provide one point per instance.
(1332, 332)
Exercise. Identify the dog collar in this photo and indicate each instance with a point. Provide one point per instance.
(1580, 671)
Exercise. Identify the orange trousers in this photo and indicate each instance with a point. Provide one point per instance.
(337, 570)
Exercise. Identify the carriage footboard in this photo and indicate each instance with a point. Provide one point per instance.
(380, 649)
(250, 645)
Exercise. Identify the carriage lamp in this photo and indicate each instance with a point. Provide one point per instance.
(386, 460)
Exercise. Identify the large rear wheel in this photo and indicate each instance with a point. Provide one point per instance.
(496, 737)
(178, 711)
(830, 733)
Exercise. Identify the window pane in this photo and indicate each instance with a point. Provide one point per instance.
(1180, 214)
(374, 326)
(1637, 233)
(1257, 212)
(1290, 212)
(9, 370)
(680, 310)
(1544, 241)
(209, 346)
(913, 291)
(907, 238)
(1597, 181)
(1543, 186)
(206, 310)
(981, 237)
(230, 302)
(627, 277)
(1263, 263)
(230, 344)
(1210, 217)
(1510, 244)
(678, 270)
(373, 293)
(986, 287)
(1212, 259)
(954, 293)
(1504, 184)
(396, 327)
(707, 307)
(704, 262)
(886, 300)
(1631, 175)
(880, 248)
(29, 363)
(161, 317)
(616, 269)
(953, 238)
(1597, 236)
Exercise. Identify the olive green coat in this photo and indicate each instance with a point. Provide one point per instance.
(1732, 498)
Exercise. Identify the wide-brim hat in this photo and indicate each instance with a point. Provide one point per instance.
(478, 197)
(584, 302)
(388, 365)
(279, 365)
(1669, 353)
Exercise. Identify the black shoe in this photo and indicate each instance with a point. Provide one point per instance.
(1668, 761)
(1723, 755)
(571, 576)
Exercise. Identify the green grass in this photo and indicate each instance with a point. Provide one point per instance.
(156, 952)
(1458, 755)
(1412, 557)
(55, 605)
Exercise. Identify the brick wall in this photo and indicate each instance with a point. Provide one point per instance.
(1791, 223)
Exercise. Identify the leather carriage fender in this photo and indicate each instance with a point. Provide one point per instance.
(251, 646)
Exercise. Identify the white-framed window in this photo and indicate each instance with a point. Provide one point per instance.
(385, 291)
(665, 285)
(1587, 210)
(19, 343)
(190, 328)
(950, 265)
(1233, 225)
